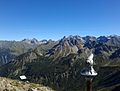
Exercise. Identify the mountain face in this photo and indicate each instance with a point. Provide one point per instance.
(31, 41)
(75, 44)
(10, 49)
(66, 46)
(58, 63)
(102, 39)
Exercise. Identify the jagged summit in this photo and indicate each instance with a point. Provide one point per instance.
(31, 41)
(34, 41)
(66, 46)
(75, 44)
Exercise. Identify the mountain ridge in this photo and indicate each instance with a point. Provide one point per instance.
(58, 63)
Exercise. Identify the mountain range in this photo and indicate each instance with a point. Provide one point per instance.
(57, 64)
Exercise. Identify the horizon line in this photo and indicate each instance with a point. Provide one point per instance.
(54, 39)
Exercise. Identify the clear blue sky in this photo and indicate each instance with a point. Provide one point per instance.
(45, 19)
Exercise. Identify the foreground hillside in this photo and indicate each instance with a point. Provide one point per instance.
(15, 85)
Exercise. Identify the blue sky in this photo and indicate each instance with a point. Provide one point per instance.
(53, 19)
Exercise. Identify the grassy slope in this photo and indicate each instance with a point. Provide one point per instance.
(15, 85)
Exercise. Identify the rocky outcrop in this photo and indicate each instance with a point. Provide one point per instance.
(15, 85)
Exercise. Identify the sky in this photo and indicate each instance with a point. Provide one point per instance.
(53, 19)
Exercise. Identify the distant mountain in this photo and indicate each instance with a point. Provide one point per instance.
(58, 63)
(66, 46)
(103, 39)
(31, 41)
(76, 44)
(10, 49)
(34, 41)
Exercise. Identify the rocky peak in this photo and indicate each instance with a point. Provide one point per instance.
(31, 41)
(34, 40)
(71, 40)
(89, 38)
(102, 39)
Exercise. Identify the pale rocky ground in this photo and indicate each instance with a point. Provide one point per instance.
(15, 85)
